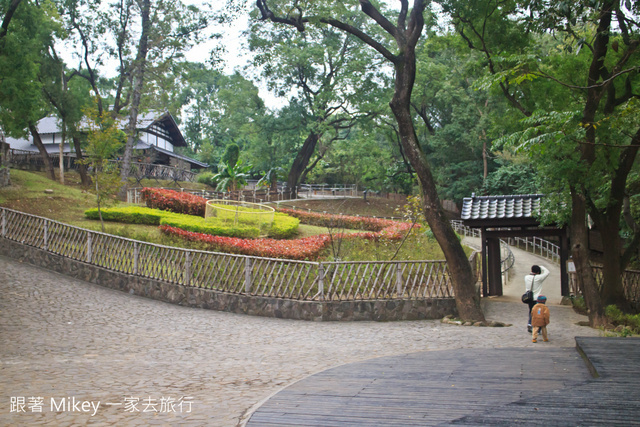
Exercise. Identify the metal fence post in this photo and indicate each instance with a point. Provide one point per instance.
(247, 275)
(88, 246)
(399, 280)
(321, 281)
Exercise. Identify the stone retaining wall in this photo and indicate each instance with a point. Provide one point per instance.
(378, 310)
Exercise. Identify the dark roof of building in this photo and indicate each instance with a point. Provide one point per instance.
(524, 206)
(194, 163)
(147, 122)
(55, 149)
(164, 120)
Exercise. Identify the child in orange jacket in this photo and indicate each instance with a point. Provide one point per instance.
(540, 319)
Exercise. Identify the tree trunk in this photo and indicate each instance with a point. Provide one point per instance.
(612, 291)
(580, 251)
(6, 20)
(61, 153)
(82, 168)
(406, 35)
(485, 164)
(580, 232)
(462, 277)
(138, 83)
(300, 163)
(48, 164)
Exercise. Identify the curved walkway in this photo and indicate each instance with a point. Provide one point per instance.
(514, 288)
(67, 339)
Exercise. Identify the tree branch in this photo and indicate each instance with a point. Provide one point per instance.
(13, 6)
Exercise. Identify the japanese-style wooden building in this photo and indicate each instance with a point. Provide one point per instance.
(158, 135)
(509, 216)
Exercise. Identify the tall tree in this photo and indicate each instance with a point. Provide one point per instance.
(585, 135)
(27, 32)
(220, 110)
(328, 73)
(67, 96)
(144, 38)
(397, 44)
(137, 84)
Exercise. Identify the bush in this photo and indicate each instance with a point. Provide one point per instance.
(283, 226)
(302, 249)
(381, 227)
(128, 214)
(618, 318)
(207, 179)
(174, 201)
(340, 221)
(218, 228)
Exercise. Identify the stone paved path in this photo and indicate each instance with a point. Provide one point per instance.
(61, 337)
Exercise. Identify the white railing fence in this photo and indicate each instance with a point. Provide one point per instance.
(507, 259)
(269, 277)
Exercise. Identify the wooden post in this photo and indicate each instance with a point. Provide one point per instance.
(399, 280)
(247, 275)
(4, 223)
(89, 247)
(483, 261)
(136, 256)
(45, 245)
(187, 270)
(321, 281)
(493, 266)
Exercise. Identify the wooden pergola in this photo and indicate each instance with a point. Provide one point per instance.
(509, 216)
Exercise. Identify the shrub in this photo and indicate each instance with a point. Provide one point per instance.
(128, 214)
(283, 226)
(383, 227)
(219, 228)
(207, 179)
(340, 221)
(174, 201)
(619, 318)
(301, 249)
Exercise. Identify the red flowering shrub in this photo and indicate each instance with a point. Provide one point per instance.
(340, 221)
(301, 249)
(174, 201)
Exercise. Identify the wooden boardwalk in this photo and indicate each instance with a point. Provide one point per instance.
(509, 386)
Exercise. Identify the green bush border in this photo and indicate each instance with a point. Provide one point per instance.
(283, 226)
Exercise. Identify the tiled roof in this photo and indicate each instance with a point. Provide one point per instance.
(194, 163)
(501, 207)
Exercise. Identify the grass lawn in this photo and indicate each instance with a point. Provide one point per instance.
(67, 204)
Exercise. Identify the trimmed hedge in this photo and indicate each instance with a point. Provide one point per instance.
(218, 228)
(174, 201)
(283, 226)
(129, 215)
(307, 248)
(340, 221)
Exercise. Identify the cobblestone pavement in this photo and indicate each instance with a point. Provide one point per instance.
(63, 338)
